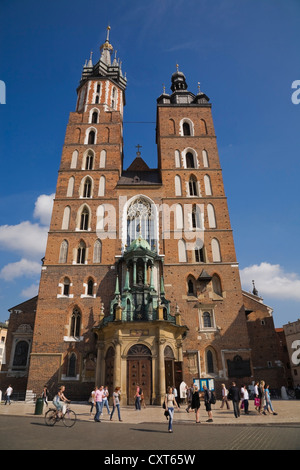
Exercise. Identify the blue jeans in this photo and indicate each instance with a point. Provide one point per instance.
(98, 410)
(105, 403)
(138, 403)
(171, 414)
(113, 410)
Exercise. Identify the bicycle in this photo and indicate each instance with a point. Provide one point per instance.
(68, 417)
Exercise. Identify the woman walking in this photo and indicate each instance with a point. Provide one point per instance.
(170, 402)
(116, 403)
(196, 403)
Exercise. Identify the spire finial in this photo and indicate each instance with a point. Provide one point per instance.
(107, 36)
(164, 88)
(199, 88)
(177, 67)
(254, 291)
(138, 153)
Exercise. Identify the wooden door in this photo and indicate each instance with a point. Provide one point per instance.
(139, 371)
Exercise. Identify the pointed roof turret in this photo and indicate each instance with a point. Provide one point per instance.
(106, 49)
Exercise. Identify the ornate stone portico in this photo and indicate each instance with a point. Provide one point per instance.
(140, 342)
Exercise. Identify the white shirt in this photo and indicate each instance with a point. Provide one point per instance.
(9, 391)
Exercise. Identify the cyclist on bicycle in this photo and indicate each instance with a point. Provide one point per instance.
(60, 397)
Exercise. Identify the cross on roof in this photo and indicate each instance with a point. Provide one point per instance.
(138, 147)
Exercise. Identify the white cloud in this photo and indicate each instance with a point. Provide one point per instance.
(22, 268)
(30, 291)
(43, 208)
(26, 238)
(271, 280)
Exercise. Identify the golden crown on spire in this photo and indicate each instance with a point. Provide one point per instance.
(106, 44)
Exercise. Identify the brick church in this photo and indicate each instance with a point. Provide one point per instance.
(140, 281)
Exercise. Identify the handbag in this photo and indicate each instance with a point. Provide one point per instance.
(256, 401)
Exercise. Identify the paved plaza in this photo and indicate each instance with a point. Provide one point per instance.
(288, 411)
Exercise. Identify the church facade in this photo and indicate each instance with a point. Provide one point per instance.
(140, 281)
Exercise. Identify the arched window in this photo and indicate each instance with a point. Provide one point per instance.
(205, 159)
(177, 159)
(81, 252)
(216, 252)
(186, 128)
(97, 252)
(63, 252)
(66, 218)
(178, 217)
(141, 222)
(92, 137)
(190, 163)
(71, 369)
(75, 325)
(216, 285)
(196, 217)
(171, 127)
(211, 216)
(66, 287)
(95, 117)
(74, 159)
(207, 185)
(84, 219)
(203, 127)
(21, 354)
(70, 186)
(199, 251)
(101, 191)
(102, 159)
(90, 287)
(87, 188)
(89, 161)
(193, 189)
(182, 257)
(209, 362)
(178, 185)
(113, 98)
(191, 290)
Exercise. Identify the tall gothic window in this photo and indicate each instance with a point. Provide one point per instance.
(81, 253)
(141, 222)
(75, 323)
(84, 219)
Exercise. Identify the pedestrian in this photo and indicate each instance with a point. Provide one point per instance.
(105, 399)
(169, 403)
(245, 399)
(261, 394)
(224, 397)
(116, 403)
(92, 400)
(58, 398)
(268, 402)
(143, 404)
(196, 403)
(8, 394)
(235, 396)
(207, 402)
(98, 402)
(189, 397)
(45, 395)
(256, 396)
(138, 397)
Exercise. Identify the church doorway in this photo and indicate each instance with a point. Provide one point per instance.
(139, 371)
(109, 370)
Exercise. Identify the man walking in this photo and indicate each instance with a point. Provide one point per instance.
(8, 394)
(235, 395)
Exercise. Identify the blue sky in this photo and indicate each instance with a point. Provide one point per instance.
(245, 54)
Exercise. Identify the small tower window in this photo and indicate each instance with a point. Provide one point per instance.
(89, 162)
(92, 136)
(95, 117)
(190, 162)
(81, 253)
(186, 128)
(90, 287)
(66, 287)
(75, 323)
(84, 219)
(87, 188)
(193, 186)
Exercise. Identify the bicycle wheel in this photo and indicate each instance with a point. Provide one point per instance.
(50, 417)
(69, 418)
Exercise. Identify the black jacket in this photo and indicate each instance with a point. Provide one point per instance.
(234, 393)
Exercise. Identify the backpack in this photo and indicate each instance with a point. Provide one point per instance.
(212, 399)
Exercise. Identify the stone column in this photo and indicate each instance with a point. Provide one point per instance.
(117, 363)
(161, 371)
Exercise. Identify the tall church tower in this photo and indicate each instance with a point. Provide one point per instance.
(139, 282)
